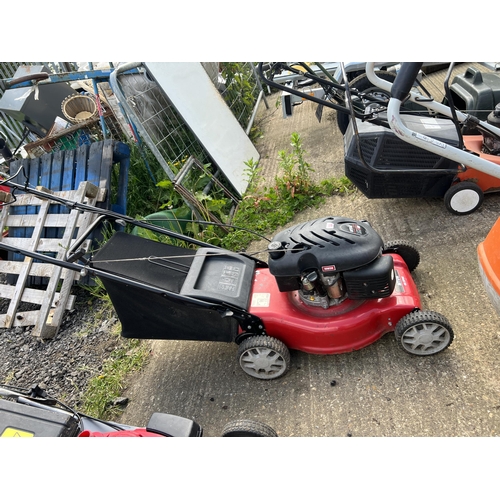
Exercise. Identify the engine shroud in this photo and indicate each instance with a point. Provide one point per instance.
(329, 246)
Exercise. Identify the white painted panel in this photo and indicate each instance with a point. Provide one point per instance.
(203, 109)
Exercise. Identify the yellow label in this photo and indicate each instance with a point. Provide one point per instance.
(10, 432)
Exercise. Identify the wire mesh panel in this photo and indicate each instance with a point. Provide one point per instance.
(159, 124)
(196, 133)
(166, 132)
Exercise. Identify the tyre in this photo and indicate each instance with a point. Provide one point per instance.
(406, 251)
(362, 84)
(424, 333)
(248, 428)
(264, 357)
(463, 198)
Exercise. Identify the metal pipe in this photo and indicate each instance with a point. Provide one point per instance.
(254, 113)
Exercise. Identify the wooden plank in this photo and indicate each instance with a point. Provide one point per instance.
(40, 269)
(106, 168)
(44, 171)
(4, 215)
(41, 327)
(94, 163)
(68, 176)
(53, 220)
(25, 318)
(44, 244)
(81, 165)
(23, 275)
(30, 168)
(55, 184)
(67, 238)
(28, 318)
(31, 296)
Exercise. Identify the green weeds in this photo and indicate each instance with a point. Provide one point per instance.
(263, 209)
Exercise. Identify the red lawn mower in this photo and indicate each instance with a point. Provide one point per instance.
(330, 286)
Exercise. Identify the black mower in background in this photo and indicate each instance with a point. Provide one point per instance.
(382, 163)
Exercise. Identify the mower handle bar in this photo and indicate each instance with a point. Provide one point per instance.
(427, 102)
(400, 90)
(405, 79)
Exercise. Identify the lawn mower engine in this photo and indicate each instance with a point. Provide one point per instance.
(331, 259)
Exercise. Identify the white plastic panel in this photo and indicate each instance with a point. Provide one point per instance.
(193, 94)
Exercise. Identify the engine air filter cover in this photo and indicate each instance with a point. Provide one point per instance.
(329, 245)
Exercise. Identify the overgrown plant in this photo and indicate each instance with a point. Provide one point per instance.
(295, 170)
(263, 209)
(239, 89)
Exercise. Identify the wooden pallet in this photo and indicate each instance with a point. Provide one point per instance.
(55, 298)
(64, 171)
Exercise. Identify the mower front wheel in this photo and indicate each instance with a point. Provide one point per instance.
(406, 251)
(264, 357)
(248, 428)
(463, 198)
(424, 333)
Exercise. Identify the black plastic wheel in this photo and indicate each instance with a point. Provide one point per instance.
(424, 333)
(463, 198)
(363, 84)
(406, 251)
(264, 357)
(248, 428)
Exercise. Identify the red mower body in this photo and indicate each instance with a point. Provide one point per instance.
(349, 326)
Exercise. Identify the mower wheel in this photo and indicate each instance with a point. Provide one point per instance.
(264, 357)
(363, 84)
(463, 198)
(424, 333)
(248, 428)
(406, 251)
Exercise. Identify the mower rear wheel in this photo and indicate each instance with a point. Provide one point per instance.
(248, 428)
(406, 251)
(264, 357)
(424, 333)
(463, 198)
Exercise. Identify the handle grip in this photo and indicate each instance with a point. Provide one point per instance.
(405, 79)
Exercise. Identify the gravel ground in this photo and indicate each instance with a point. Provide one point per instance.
(66, 363)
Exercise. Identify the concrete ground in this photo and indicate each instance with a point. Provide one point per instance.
(379, 390)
